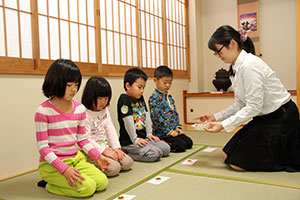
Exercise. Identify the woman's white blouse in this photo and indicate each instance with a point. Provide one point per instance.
(256, 89)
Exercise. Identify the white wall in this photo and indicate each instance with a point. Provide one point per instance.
(277, 20)
(21, 95)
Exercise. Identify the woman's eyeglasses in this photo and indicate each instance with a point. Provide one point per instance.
(218, 51)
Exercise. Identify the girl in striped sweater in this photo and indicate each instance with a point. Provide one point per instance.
(60, 129)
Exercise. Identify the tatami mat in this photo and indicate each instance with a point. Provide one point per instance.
(212, 139)
(211, 164)
(24, 187)
(182, 186)
(209, 179)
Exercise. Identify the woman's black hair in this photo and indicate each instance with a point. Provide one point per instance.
(58, 75)
(95, 87)
(132, 75)
(224, 34)
(162, 71)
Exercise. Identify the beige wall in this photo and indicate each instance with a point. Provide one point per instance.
(20, 96)
(277, 35)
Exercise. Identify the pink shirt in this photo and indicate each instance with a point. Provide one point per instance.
(58, 133)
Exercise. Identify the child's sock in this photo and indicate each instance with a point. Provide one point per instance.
(42, 183)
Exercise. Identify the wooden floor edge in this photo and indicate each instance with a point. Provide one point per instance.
(17, 175)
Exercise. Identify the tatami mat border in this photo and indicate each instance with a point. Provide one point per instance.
(18, 175)
(155, 174)
(234, 178)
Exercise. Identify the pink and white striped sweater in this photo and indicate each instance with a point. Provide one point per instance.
(58, 133)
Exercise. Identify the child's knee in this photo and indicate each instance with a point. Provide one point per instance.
(101, 181)
(114, 169)
(87, 188)
(165, 149)
(126, 163)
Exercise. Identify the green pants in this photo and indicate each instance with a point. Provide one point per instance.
(95, 180)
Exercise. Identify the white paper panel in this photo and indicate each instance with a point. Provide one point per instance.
(144, 57)
(2, 42)
(103, 47)
(92, 48)
(42, 7)
(82, 11)
(148, 54)
(110, 51)
(54, 42)
(24, 5)
(109, 14)
(116, 15)
(134, 51)
(73, 10)
(91, 17)
(63, 9)
(129, 47)
(152, 33)
(142, 6)
(1, 2)
(26, 36)
(43, 33)
(133, 21)
(128, 19)
(153, 55)
(102, 13)
(142, 25)
(122, 18)
(147, 27)
(123, 50)
(64, 34)
(74, 42)
(12, 33)
(83, 43)
(11, 4)
(53, 8)
(117, 49)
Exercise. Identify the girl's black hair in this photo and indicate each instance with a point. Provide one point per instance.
(58, 75)
(95, 87)
(162, 71)
(132, 75)
(224, 34)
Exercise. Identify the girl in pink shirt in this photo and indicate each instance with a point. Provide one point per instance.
(60, 127)
(99, 127)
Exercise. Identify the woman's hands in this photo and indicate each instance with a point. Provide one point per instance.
(213, 125)
(207, 117)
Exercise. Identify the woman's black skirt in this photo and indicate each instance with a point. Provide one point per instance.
(268, 143)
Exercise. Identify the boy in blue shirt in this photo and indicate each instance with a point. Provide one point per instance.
(165, 119)
(135, 123)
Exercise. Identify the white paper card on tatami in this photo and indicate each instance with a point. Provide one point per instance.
(158, 180)
(189, 162)
(125, 197)
(209, 149)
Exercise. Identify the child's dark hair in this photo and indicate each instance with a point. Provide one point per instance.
(95, 87)
(224, 34)
(162, 71)
(58, 75)
(132, 74)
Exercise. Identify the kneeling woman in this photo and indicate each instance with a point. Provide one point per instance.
(271, 139)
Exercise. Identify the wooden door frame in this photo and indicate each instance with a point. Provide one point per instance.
(298, 50)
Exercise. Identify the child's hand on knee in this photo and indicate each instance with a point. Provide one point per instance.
(142, 143)
(103, 163)
(73, 175)
(152, 137)
(173, 133)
